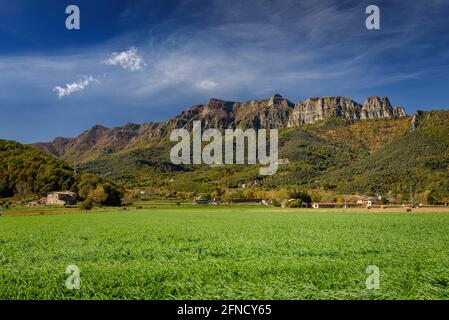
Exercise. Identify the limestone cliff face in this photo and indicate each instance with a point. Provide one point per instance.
(269, 113)
(375, 107)
(215, 114)
(320, 109)
(275, 112)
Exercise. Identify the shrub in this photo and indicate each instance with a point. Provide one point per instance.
(204, 197)
(276, 203)
(300, 195)
(432, 198)
(100, 191)
(86, 205)
(295, 204)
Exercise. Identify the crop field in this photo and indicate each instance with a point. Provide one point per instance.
(225, 252)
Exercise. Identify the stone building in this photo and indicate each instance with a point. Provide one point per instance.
(61, 198)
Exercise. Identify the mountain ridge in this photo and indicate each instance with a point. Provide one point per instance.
(342, 154)
(274, 112)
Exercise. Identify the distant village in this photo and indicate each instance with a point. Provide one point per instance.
(68, 198)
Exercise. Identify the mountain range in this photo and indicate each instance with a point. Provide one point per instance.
(275, 112)
(327, 144)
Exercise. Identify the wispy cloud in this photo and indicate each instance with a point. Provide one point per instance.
(74, 87)
(244, 50)
(299, 48)
(128, 60)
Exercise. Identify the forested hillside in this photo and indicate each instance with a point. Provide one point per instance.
(312, 151)
(418, 160)
(27, 172)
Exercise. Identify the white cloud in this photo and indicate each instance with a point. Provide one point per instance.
(74, 87)
(128, 60)
(206, 85)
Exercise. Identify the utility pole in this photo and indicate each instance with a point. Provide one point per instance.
(74, 170)
(411, 196)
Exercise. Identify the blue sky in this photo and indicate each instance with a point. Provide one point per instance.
(142, 61)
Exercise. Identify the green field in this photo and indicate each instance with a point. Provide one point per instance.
(190, 252)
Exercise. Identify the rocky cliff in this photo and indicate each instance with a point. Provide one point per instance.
(275, 112)
(321, 109)
(375, 107)
(268, 113)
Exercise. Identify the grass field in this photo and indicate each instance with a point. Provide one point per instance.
(225, 253)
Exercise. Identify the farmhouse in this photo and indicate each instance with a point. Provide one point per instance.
(61, 198)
